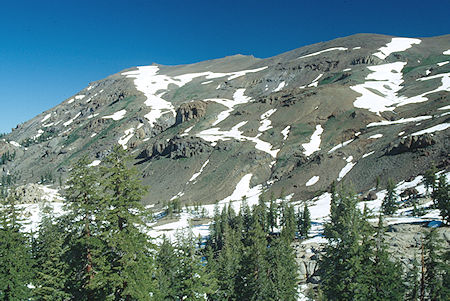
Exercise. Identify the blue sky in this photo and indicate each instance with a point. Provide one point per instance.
(49, 50)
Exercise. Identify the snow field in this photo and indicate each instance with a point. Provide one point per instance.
(125, 138)
(265, 122)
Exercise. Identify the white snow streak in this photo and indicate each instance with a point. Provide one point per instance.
(195, 176)
(312, 181)
(396, 45)
(285, 132)
(436, 128)
(314, 144)
(323, 51)
(345, 170)
(117, 115)
(403, 120)
(279, 87)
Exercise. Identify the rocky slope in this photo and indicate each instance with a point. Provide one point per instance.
(350, 110)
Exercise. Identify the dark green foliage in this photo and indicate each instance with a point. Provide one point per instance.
(429, 179)
(356, 265)
(436, 268)
(303, 221)
(50, 276)
(441, 197)
(389, 205)
(15, 254)
(45, 136)
(412, 282)
(247, 259)
(7, 157)
(289, 223)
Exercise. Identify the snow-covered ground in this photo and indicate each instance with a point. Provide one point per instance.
(116, 116)
(396, 45)
(314, 144)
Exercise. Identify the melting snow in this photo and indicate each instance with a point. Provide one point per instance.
(215, 134)
(72, 120)
(443, 63)
(312, 181)
(207, 82)
(396, 45)
(315, 81)
(79, 97)
(117, 115)
(340, 145)
(447, 52)
(368, 154)
(348, 69)
(265, 122)
(186, 131)
(125, 138)
(46, 117)
(238, 98)
(285, 132)
(314, 144)
(444, 108)
(323, 51)
(71, 100)
(14, 143)
(436, 128)
(345, 170)
(195, 176)
(376, 136)
(403, 120)
(280, 86)
(95, 163)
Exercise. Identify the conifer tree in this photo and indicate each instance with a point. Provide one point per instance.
(429, 179)
(441, 198)
(167, 270)
(84, 249)
(282, 271)
(51, 270)
(253, 280)
(15, 253)
(128, 250)
(272, 215)
(289, 223)
(341, 265)
(435, 268)
(389, 205)
(303, 221)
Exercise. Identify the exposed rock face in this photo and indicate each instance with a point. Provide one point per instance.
(191, 110)
(177, 147)
(410, 143)
(30, 193)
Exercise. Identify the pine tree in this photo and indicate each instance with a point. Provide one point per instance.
(429, 179)
(435, 268)
(441, 198)
(272, 216)
(341, 266)
(389, 205)
(50, 278)
(16, 270)
(289, 223)
(128, 250)
(253, 277)
(304, 221)
(385, 277)
(167, 269)
(282, 271)
(412, 282)
(85, 250)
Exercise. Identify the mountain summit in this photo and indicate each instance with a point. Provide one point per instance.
(354, 110)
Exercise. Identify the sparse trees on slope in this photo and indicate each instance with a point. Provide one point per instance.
(441, 197)
(303, 221)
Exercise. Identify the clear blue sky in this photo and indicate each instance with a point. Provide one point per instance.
(49, 50)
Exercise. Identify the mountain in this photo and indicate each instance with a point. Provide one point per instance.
(353, 110)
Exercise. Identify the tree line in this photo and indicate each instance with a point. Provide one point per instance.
(99, 249)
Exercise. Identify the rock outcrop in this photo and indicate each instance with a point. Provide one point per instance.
(189, 111)
(410, 143)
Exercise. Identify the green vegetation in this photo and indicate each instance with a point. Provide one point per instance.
(45, 136)
(7, 157)
(431, 60)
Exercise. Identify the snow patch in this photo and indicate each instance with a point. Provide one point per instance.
(346, 169)
(238, 98)
(443, 63)
(340, 145)
(314, 144)
(195, 176)
(117, 115)
(396, 45)
(436, 128)
(312, 181)
(125, 138)
(400, 121)
(285, 132)
(323, 51)
(72, 120)
(446, 52)
(315, 82)
(279, 87)
(265, 122)
(376, 136)
(46, 117)
(95, 163)
(368, 154)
